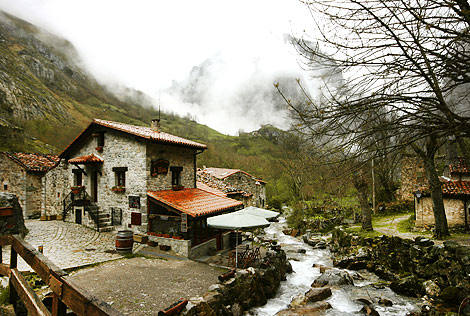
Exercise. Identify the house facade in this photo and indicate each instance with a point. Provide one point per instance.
(456, 197)
(22, 174)
(234, 183)
(118, 176)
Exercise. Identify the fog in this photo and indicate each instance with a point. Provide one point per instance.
(213, 60)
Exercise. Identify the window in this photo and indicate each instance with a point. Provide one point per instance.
(120, 173)
(5, 187)
(77, 177)
(121, 178)
(176, 175)
(100, 139)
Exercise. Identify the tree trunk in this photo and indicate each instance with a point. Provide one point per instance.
(440, 218)
(427, 155)
(362, 193)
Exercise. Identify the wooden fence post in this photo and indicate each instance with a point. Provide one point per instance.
(13, 264)
(58, 307)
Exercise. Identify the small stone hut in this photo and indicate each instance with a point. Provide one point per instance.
(456, 197)
(233, 183)
(22, 174)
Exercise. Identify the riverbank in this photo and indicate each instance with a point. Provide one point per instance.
(312, 264)
(439, 274)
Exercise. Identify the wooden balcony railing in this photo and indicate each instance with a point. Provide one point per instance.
(65, 293)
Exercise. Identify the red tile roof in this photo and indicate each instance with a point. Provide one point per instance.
(34, 162)
(149, 133)
(461, 167)
(88, 159)
(140, 131)
(205, 187)
(194, 202)
(455, 188)
(222, 173)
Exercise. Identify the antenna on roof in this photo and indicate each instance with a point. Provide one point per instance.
(156, 122)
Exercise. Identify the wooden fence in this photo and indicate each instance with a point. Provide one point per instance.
(65, 293)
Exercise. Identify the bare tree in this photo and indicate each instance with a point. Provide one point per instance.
(401, 64)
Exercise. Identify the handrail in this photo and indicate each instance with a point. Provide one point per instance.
(82, 195)
(65, 292)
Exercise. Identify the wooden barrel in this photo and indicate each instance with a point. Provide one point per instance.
(124, 241)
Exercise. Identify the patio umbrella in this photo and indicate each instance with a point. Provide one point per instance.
(261, 212)
(237, 221)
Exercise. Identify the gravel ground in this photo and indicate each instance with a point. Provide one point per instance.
(141, 286)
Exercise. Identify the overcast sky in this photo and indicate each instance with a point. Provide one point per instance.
(146, 44)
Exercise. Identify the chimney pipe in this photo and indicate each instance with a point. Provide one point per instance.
(155, 125)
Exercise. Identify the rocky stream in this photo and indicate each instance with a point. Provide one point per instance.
(315, 285)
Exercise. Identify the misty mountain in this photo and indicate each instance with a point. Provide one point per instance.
(253, 100)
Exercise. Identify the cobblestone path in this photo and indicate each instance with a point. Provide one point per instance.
(67, 245)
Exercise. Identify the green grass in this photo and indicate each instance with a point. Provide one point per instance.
(357, 230)
(406, 225)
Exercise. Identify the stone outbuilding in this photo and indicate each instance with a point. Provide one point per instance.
(233, 183)
(118, 176)
(22, 174)
(456, 197)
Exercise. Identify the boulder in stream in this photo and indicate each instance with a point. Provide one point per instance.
(333, 277)
(311, 309)
(318, 294)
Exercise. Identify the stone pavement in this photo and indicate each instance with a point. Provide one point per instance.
(67, 245)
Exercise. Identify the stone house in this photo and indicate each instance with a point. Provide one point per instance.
(233, 183)
(22, 174)
(119, 176)
(456, 197)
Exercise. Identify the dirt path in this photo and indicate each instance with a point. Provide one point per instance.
(388, 226)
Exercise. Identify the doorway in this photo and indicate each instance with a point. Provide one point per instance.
(78, 215)
(94, 185)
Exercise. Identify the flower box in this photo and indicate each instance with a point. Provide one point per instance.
(77, 189)
(118, 189)
(165, 236)
(177, 237)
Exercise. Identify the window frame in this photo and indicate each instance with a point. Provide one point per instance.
(120, 176)
(176, 176)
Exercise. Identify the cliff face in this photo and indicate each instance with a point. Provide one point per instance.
(45, 95)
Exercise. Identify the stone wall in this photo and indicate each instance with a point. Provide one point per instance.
(14, 177)
(454, 209)
(178, 157)
(55, 187)
(413, 268)
(33, 195)
(119, 150)
(412, 179)
(246, 289)
(244, 182)
(180, 247)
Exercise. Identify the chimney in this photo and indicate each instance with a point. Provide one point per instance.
(155, 125)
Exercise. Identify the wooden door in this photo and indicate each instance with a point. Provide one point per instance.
(78, 215)
(94, 185)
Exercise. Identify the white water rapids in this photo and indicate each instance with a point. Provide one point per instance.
(343, 298)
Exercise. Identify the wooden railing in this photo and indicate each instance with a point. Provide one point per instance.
(65, 293)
